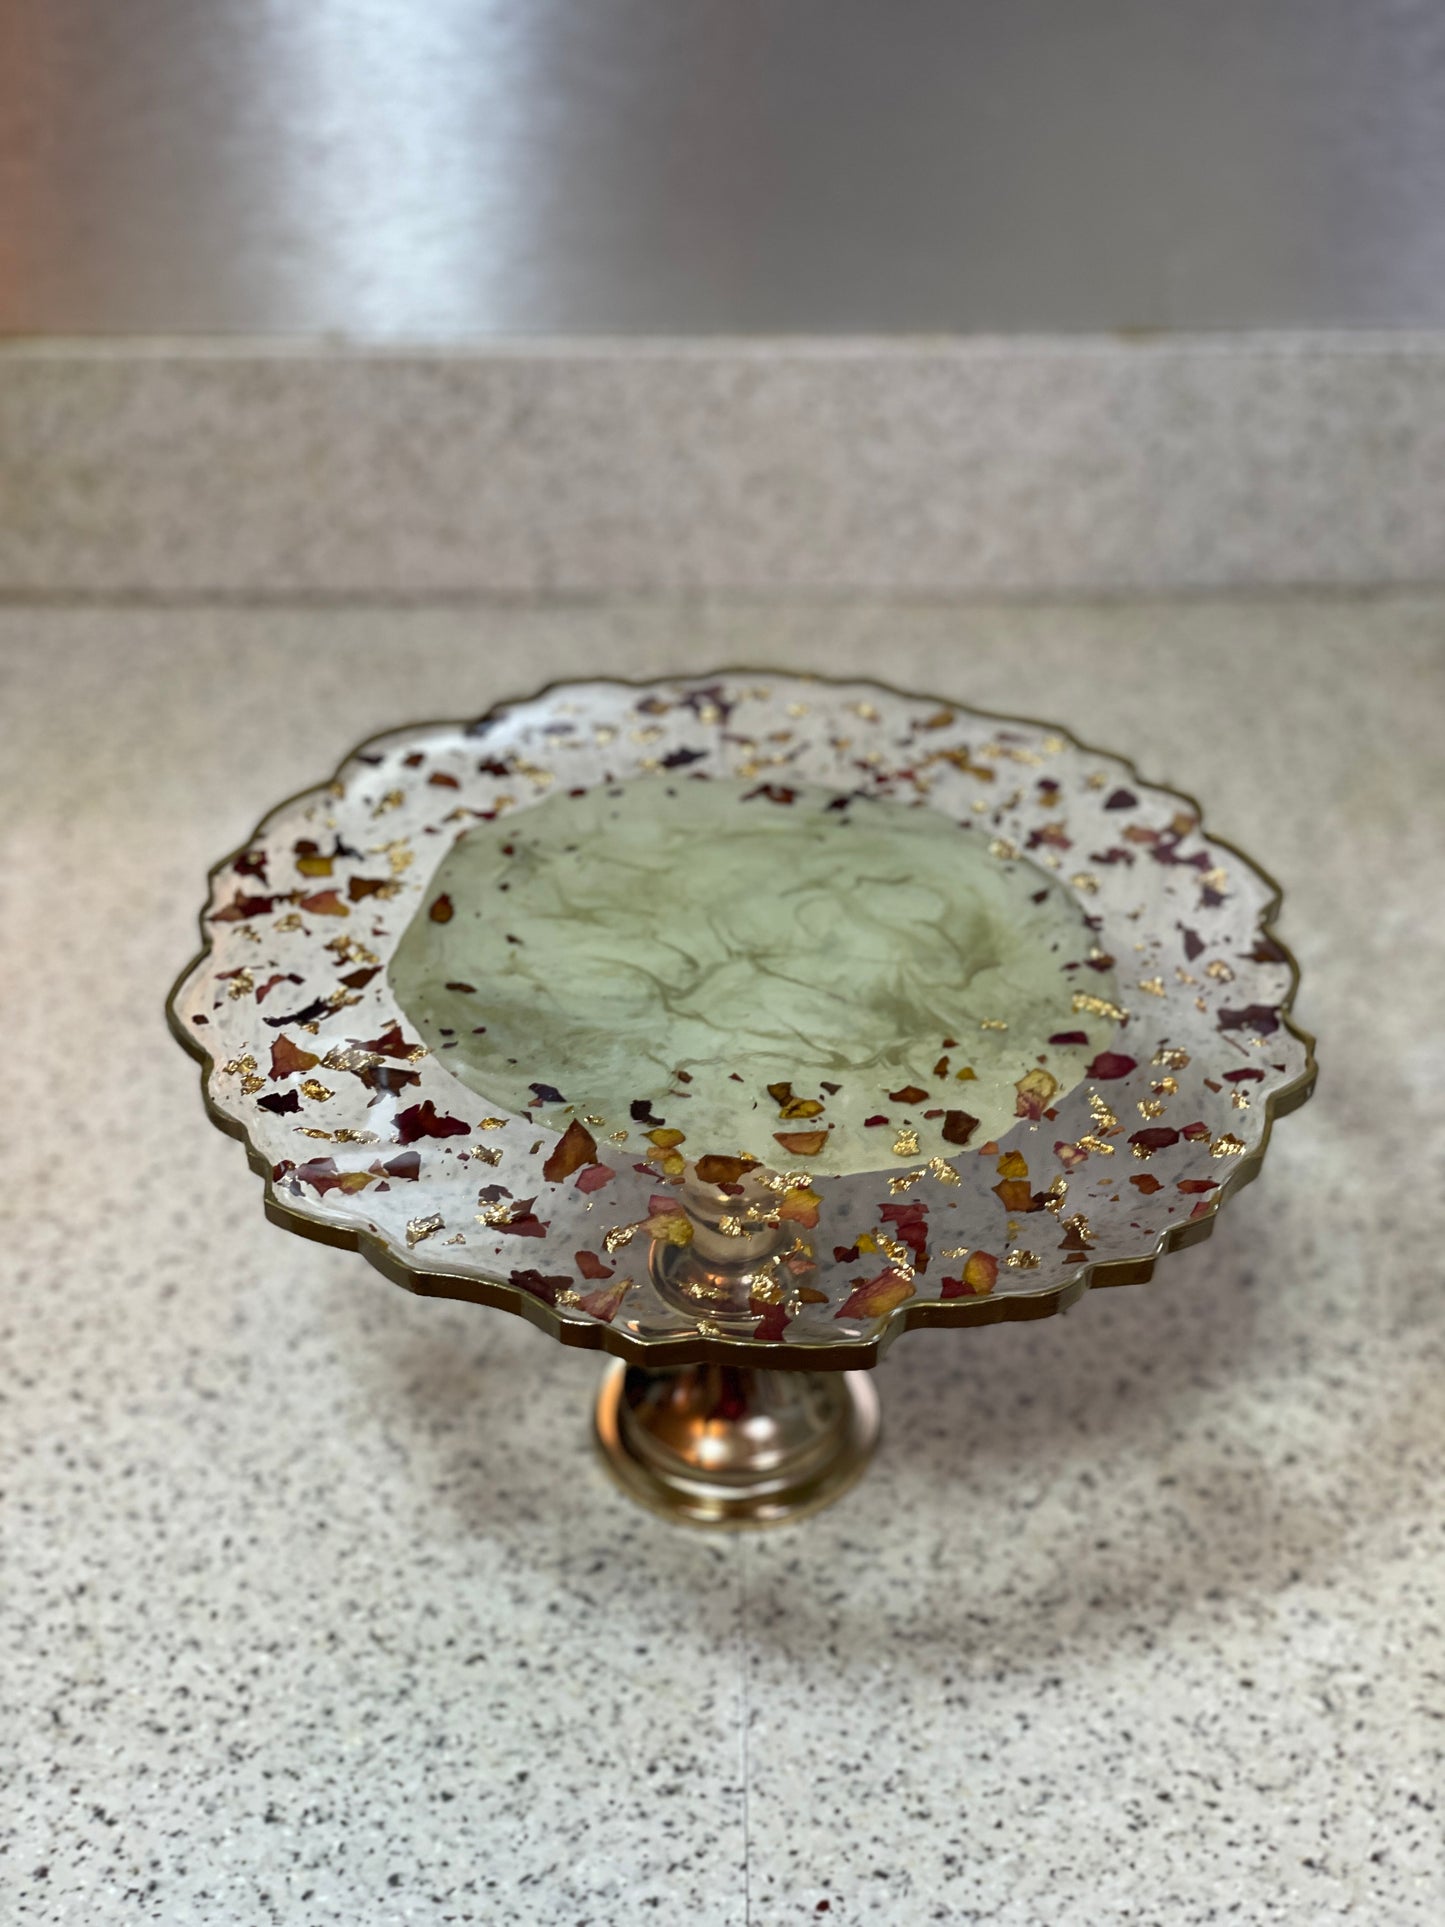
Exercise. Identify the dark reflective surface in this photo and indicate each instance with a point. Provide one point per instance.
(473, 166)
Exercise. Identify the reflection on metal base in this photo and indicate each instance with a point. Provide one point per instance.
(717, 1445)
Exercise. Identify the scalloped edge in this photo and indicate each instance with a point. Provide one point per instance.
(776, 1354)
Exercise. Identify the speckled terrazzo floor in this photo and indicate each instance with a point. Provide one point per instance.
(316, 1608)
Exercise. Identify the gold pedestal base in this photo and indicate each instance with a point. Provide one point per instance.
(716, 1445)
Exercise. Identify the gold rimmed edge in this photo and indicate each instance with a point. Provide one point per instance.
(778, 1354)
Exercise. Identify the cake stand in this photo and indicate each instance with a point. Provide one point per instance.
(735, 1024)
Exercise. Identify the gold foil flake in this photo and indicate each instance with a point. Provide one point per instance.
(348, 950)
(1227, 1146)
(567, 1299)
(1086, 882)
(797, 709)
(905, 1145)
(897, 1254)
(1214, 879)
(906, 1179)
(491, 1124)
(1058, 1191)
(1022, 1261)
(1151, 1107)
(419, 1229)
(865, 711)
(1003, 849)
(457, 1238)
(1166, 1086)
(291, 921)
(708, 1328)
(1095, 780)
(618, 1236)
(1102, 1112)
(604, 733)
(1182, 976)
(649, 733)
(1220, 971)
(1172, 1060)
(1052, 745)
(487, 1153)
(241, 985)
(311, 1130)
(1153, 985)
(313, 1088)
(347, 1136)
(239, 1066)
(1240, 1100)
(993, 1023)
(945, 1172)
(1098, 1006)
(1078, 1227)
(346, 1057)
(540, 777)
(1143, 1152)
(392, 800)
(595, 1122)
(340, 998)
(1100, 1144)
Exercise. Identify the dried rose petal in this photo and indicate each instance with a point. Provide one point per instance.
(1111, 1064)
(573, 1149)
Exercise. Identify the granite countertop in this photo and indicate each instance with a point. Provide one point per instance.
(319, 1609)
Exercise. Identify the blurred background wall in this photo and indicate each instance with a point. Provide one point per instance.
(458, 168)
(475, 295)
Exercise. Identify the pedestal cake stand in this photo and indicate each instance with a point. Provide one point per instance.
(733, 1025)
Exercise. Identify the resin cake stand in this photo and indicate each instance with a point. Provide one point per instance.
(734, 1025)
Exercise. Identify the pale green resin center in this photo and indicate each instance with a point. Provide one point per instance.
(690, 942)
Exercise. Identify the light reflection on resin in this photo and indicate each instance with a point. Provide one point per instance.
(815, 980)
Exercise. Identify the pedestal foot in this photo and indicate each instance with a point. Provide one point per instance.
(717, 1445)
